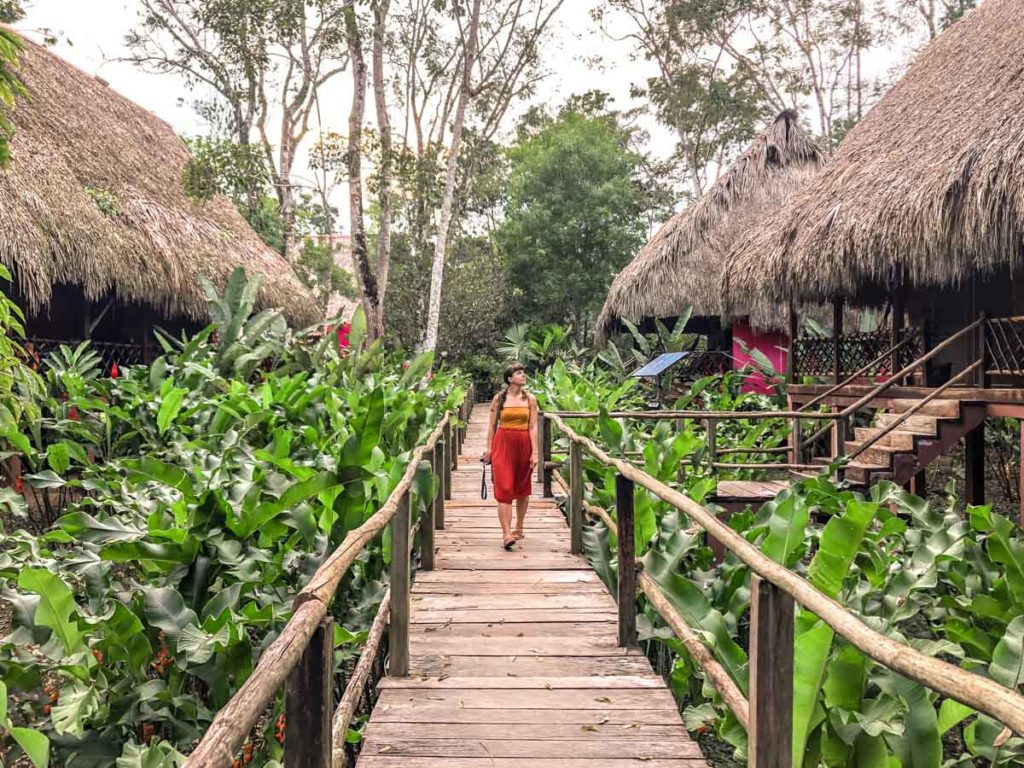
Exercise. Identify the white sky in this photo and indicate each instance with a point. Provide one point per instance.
(91, 36)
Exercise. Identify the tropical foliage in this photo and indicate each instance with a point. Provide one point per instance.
(213, 483)
(933, 577)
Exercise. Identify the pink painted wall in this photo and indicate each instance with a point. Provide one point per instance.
(772, 345)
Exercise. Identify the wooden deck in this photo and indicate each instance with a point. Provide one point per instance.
(514, 656)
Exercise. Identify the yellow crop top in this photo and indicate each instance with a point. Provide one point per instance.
(515, 417)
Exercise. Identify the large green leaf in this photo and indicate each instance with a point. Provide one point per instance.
(1007, 665)
(35, 745)
(170, 407)
(77, 703)
(56, 608)
(165, 609)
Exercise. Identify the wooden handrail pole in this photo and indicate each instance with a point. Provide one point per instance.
(427, 521)
(439, 489)
(309, 703)
(980, 375)
(575, 498)
(456, 441)
(627, 561)
(545, 447)
(448, 449)
(794, 333)
(711, 440)
(398, 632)
(770, 732)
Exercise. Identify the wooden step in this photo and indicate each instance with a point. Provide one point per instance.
(860, 473)
(916, 424)
(875, 455)
(946, 409)
(903, 441)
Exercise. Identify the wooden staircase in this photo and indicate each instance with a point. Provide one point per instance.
(903, 452)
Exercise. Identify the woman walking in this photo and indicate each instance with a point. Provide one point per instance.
(512, 451)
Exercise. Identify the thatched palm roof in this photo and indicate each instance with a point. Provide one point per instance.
(80, 147)
(925, 190)
(682, 265)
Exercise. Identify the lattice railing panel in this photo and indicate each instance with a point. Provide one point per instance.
(814, 355)
(110, 352)
(1004, 345)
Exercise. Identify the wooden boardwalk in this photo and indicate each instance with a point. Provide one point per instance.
(514, 656)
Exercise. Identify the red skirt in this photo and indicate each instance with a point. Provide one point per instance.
(510, 465)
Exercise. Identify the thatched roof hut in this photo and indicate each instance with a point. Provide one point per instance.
(925, 191)
(93, 197)
(682, 265)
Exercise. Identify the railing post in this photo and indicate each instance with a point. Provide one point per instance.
(448, 461)
(840, 435)
(456, 440)
(439, 490)
(796, 441)
(711, 441)
(309, 703)
(398, 631)
(575, 498)
(427, 520)
(545, 457)
(980, 373)
(627, 561)
(770, 732)
(794, 333)
(540, 459)
(837, 341)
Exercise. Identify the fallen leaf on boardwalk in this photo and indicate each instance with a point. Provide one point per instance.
(383, 748)
(513, 658)
(442, 677)
(603, 720)
(511, 674)
(593, 728)
(603, 699)
(631, 725)
(521, 634)
(462, 704)
(548, 686)
(385, 707)
(436, 698)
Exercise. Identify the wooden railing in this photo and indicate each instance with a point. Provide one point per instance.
(817, 355)
(302, 656)
(840, 420)
(1004, 346)
(775, 590)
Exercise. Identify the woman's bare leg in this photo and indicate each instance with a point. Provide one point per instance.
(521, 507)
(505, 519)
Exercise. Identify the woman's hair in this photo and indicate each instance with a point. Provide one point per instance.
(510, 371)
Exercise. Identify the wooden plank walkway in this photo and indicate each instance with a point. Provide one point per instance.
(514, 656)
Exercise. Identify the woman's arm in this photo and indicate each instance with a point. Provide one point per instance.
(492, 419)
(534, 432)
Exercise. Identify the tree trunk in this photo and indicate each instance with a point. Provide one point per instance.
(441, 244)
(384, 126)
(364, 275)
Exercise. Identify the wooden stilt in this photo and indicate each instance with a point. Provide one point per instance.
(974, 466)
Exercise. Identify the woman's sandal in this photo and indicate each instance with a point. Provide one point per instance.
(518, 535)
(508, 543)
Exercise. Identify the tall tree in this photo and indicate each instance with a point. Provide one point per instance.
(266, 62)
(441, 243)
(506, 38)
(566, 233)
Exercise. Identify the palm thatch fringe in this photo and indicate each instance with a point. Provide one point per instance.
(682, 265)
(93, 197)
(927, 189)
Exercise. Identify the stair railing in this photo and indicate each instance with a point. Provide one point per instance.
(914, 409)
(800, 444)
(842, 423)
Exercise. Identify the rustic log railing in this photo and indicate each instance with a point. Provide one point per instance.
(303, 653)
(767, 714)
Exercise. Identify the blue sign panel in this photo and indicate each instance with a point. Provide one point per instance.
(659, 365)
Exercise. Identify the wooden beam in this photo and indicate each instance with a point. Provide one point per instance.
(627, 561)
(576, 498)
(837, 341)
(771, 676)
(398, 631)
(974, 466)
(309, 702)
(896, 329)
(427, 524)
(794, 334)
(440, 493)
(545, 447)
